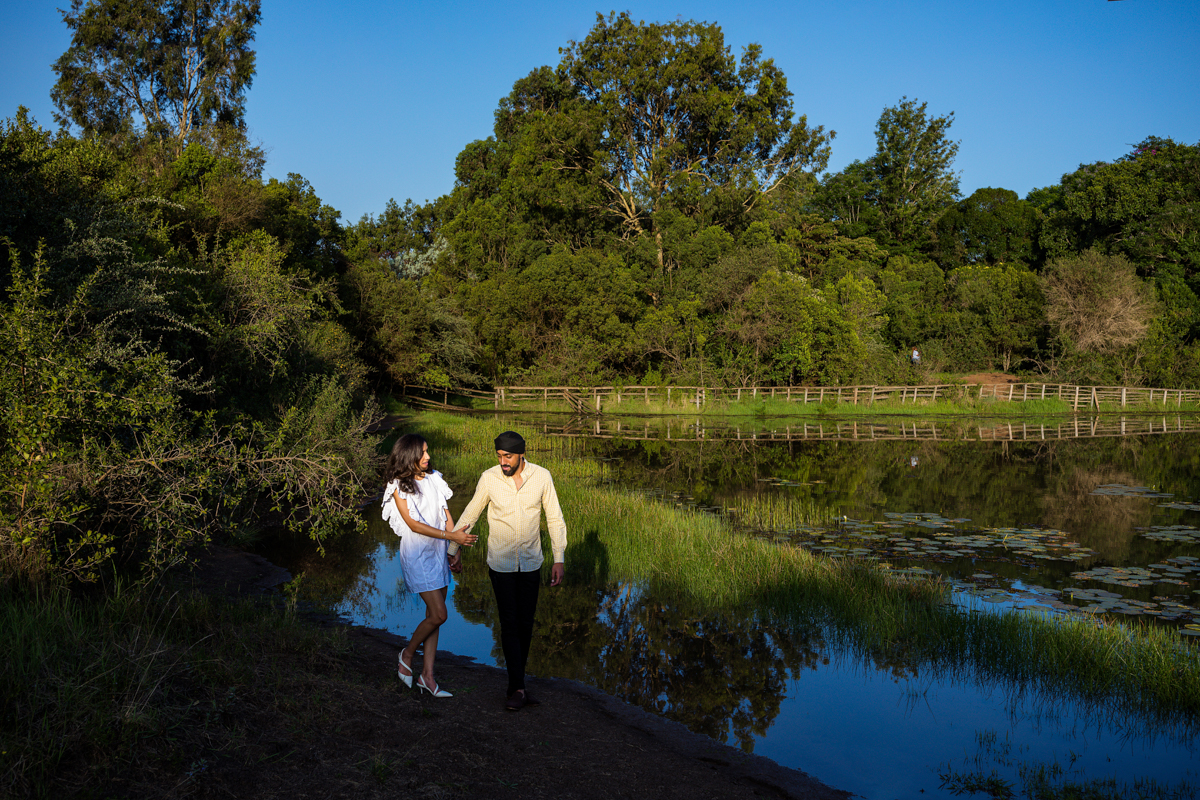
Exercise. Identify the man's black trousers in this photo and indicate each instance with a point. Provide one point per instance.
(516, 602)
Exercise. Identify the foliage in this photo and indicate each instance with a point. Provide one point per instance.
(991, 226)
(178, 64)
(1096, 302)
(912, 169)
(680, 119)
(1145, 206)
(1008, 301)
(156, 395)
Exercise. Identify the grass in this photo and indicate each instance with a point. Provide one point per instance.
(697, 558)
(146, 684)
(1044, 781)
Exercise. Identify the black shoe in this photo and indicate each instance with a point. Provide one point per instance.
(516, 701)
(530, 700)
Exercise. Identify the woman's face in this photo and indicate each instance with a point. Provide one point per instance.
(424, 462)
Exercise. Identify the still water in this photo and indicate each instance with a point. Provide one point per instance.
(1099, 524)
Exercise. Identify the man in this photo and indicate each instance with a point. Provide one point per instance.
(516, 492)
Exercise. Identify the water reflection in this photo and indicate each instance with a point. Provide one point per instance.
(1087, 508)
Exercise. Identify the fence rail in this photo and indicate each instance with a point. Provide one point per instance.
(594, 399)
(597, 398)
(1077, 428)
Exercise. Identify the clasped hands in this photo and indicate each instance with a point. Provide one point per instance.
(462, 537)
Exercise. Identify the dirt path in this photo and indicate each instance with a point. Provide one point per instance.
(379, 739)
(990, 378)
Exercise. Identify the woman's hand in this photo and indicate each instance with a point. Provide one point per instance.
(462, 536)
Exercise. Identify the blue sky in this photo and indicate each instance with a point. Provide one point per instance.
(373, 100)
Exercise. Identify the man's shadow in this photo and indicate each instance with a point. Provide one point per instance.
(589, 558)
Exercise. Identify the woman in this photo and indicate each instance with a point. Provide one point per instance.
(414, 504)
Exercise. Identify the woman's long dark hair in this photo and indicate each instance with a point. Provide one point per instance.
(404, 464)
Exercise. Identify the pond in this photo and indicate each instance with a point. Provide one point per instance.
(1098, 521)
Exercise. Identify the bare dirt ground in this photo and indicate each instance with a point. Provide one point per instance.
(355, 731)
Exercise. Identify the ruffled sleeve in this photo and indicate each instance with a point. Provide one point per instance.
(391, 514)
(443, 489)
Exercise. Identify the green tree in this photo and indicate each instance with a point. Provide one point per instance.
(1007, 298)
(914, 181)
(680, 119)
(1144, 206)
(989, 227)
(177, 64)
(850, 199)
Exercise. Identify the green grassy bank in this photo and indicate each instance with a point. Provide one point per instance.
(698, 559)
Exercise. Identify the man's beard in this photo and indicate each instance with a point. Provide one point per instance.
(509, 470)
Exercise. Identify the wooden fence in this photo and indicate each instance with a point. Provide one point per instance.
(613, 398)
(1077, 428)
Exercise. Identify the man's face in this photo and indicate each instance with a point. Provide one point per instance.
(510, 463)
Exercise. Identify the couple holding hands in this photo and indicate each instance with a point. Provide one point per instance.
(515, 492)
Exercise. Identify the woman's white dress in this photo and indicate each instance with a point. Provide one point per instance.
(423, 558)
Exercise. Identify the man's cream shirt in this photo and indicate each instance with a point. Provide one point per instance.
(514, 518)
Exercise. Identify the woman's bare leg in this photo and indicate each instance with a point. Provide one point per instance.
(435, 605)
(427, 631)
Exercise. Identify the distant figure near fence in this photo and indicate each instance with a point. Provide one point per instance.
(916, 357)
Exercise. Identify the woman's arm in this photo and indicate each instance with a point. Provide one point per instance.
(461, 536)
(426, 530)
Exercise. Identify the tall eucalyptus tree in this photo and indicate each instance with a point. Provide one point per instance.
(175, 64)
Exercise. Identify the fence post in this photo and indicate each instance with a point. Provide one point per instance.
(872, 401)
(1095, 399)
(1075, 407)
(1122, 400)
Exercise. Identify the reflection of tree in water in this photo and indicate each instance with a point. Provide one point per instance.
(717, 673)
(345, 574)
(991, 483)
(1108, 521)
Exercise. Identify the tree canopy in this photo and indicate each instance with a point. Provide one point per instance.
(175, 64)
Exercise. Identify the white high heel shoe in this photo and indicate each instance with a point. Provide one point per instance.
(407, 680)
(436, 691)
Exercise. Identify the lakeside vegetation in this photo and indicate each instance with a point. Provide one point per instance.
(949, 404)
(700, 561)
